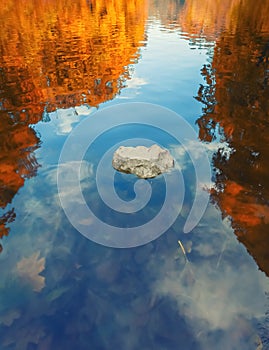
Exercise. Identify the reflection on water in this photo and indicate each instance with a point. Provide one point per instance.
(65, 53)
(58, 60)
(17, 163)
(236, 98)
(56, 55)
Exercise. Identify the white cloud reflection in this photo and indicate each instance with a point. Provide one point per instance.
(133, 87)
(65, 119)
(136, 82)
(218, 293)
(219, 288)
(197, 149)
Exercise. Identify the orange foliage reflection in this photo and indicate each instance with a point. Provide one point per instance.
(209, 19)
(62, 53)
(57, 54)
(236, 99)
(17, 162)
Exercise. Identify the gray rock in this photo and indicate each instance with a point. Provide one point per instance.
(145, 162)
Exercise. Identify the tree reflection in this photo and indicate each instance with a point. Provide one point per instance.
(236, 105)
(17, 162)
(236, 99)
(71, 52)
(57, 54)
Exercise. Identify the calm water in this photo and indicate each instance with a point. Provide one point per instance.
(61, 62)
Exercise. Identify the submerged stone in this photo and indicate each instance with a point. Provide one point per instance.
(145, 162)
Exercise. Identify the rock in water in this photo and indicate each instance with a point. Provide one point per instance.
(145, 162)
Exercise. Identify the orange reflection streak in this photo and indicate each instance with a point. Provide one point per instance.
(242, 207)
(17, 143)
(236, 100)
(211, 18)
(64, 52)
(57, 54)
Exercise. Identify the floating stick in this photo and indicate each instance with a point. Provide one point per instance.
(183, 250)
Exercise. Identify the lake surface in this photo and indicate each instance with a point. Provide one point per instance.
(65, 64)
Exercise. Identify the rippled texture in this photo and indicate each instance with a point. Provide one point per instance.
(236, 97)
(57, 55)
(60, 61)
(64, 53)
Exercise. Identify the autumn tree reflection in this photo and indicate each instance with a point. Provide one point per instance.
(57, 54)
(17, 162)
(236, 100)
(236, 105)
(70, 52)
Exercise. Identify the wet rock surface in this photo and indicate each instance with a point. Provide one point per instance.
(145, 162)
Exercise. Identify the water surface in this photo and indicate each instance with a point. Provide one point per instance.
(60, 61)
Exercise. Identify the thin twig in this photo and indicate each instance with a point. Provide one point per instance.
(183, 250)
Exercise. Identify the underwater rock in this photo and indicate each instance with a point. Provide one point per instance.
(145, 162)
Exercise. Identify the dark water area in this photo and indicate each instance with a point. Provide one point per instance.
(64, 62)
